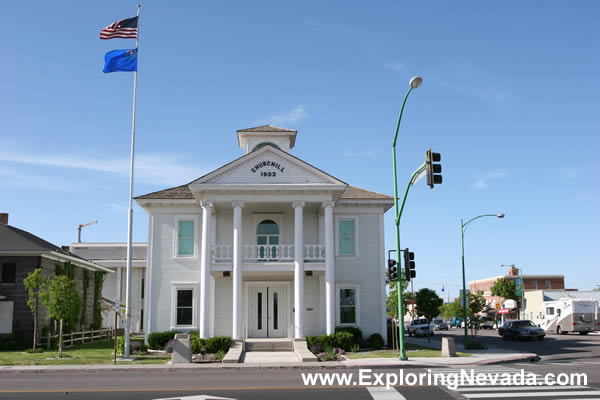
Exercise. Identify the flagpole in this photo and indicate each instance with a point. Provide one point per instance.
(130, 215)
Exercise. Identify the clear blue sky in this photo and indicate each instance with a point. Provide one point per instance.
(510, 99)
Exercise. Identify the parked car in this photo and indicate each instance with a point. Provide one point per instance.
(522, 328)
(439, 325)
(420, 327)
(486, 323)
(455, 322)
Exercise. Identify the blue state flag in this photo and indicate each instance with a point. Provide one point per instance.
(120, 60)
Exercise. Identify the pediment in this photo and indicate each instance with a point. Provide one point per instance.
(267, 165)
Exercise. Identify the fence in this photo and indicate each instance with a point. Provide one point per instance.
(72, 338)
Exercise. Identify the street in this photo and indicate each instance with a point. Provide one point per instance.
(559, 354)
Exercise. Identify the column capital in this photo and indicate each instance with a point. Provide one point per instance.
(206, 203)
(328, 204)
(237, 204)
(298, 204)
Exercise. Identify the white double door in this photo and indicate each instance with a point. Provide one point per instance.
(267, 311)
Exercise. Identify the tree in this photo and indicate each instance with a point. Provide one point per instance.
(35, 285)
(428, 303)
(392, 299)
(505, 288)
(476, 305)
(62, 301)
(450, 310)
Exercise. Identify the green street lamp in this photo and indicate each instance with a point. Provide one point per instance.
(414, 83)
(465, 302)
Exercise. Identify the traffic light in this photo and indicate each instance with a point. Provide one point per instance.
(409, 265)
(434, 171)
(392, 270)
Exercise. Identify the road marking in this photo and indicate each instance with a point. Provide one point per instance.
(381, 393)
(516, 388)
(545, 394)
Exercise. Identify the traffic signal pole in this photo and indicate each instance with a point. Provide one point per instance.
(397, 222)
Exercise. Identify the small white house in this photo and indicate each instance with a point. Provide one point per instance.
(114, 257)
(265, 246)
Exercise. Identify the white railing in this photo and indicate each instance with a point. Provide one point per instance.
(267, 253)
(221, 252)
(263, 252)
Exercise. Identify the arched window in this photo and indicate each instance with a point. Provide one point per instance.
(263, 144)
(267, 239)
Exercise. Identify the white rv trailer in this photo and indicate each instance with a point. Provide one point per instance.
(569, 315)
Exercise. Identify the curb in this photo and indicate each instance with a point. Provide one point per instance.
(169, 368)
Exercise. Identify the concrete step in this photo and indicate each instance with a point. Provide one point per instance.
(269, 345)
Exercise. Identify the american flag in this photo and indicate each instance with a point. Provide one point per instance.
(125, 28)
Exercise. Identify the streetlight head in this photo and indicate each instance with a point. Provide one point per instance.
(500, 215)
(415, 82)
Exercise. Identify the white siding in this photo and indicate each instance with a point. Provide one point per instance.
(224, 306)
(167, 269)
(364, 271)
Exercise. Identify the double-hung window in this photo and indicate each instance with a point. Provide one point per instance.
(185, 238)
(347, 299)
(184, 306)
(346, 234)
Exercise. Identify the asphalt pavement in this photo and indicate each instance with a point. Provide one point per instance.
(559, 354)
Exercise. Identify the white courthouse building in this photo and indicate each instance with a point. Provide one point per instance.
(265, 246)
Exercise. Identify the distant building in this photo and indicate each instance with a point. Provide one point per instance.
(20, 254)
(114, 257)
(530, 282)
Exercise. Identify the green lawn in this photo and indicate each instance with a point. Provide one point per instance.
(412, 350)
(90, 353)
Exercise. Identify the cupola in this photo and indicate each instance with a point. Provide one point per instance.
(254, 138)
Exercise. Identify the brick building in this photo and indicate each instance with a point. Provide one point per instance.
(20, 254)
(530, 282)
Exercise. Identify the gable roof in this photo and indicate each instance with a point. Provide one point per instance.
(182, 192)
(267, 128)
(14, 241)
(353, 192)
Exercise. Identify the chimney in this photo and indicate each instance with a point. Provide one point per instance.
(65, 248)
(4, 218)
(513, 271)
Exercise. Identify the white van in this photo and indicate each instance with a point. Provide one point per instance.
(569, 315)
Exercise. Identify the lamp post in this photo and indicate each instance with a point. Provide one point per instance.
(414, 83)
(463, 226)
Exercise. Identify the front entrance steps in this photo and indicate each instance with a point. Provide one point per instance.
(269, 345)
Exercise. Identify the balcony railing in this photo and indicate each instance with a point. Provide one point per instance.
(221, 253)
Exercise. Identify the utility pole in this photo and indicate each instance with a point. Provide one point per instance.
(83, 226)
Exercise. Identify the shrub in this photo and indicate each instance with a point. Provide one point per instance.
(169, 346)
(375, 341)
(218, 343)
(316, 349)
(355, 348)
(13, 342)
(475, 345)
(121, 345)
(327, 356)
(357, 335)
(324, 341)
(220, 354)
(158, 340)
(36, 350)
(197, 344)
(344, 340)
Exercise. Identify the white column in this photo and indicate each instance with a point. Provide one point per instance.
(205, 269)
(237, 269)
(298, 269)
(329, 270)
